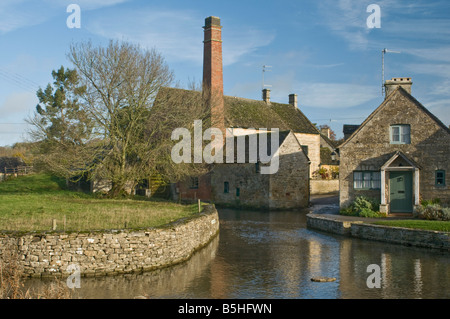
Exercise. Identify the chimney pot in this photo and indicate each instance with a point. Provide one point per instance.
(394, 83)
(293, 100)
(266, 95)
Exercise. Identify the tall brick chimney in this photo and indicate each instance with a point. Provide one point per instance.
(213, 71)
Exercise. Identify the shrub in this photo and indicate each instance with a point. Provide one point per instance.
(433, 212)
(363, 207)
(427, 202)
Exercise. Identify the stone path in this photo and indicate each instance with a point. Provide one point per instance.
(327, 205)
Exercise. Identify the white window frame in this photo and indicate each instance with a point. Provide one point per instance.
(403, 134)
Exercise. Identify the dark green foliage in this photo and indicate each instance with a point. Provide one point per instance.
(363, 207)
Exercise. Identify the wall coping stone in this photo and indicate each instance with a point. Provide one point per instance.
(390, 234)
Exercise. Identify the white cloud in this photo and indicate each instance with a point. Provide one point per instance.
(178, 35)
(440, 108)
(86, 4)
(16, 14)
(336, 95)
(432, 54)
(437, 69)
(16, 105)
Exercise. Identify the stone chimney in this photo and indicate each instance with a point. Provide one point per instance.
(293, 100)
(266, 95)
(213, 71)
(392, 84)
(325, 131)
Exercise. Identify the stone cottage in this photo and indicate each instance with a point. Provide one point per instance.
(399, 155)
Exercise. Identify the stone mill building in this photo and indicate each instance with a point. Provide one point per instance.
(242, 184)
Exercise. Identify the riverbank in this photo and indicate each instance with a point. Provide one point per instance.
(112, 252)
(324, 216)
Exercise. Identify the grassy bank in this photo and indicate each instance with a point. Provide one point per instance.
(417, 224)
(31, 203)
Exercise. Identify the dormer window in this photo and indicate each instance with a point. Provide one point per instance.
(400, 134)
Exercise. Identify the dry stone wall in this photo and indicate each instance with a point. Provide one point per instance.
(111, 252)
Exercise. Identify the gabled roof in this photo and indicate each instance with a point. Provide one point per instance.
(398, 90)
(397, 155)
(248, 113)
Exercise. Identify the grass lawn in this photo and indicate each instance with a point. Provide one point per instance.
(30, 203)
(417, 224)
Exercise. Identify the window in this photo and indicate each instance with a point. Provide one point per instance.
(194, 183)
(226, 187)
(238, 191)
(440, 178)
(366, 180)
(400, 134)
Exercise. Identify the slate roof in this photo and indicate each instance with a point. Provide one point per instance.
(248, 113)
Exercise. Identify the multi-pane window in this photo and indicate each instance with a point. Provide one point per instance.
(366, 180)
(440, 178)
(400, 134)
(194, 183)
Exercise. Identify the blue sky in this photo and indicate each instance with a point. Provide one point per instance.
(321, 50)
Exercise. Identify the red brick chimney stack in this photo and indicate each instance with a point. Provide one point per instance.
(213, 71)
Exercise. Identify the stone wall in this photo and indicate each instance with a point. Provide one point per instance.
(329, 225)
(288, 188)
(111, 252)
(394, 235)
(403, 236)
(313, 143)
(324, 186)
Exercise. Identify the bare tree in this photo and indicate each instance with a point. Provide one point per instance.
(121, 83)
(123, 91)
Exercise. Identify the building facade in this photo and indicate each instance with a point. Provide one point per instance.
(398, 156)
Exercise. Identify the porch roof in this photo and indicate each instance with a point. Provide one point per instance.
(411, 165)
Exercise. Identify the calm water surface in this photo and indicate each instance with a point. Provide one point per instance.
(274, 255)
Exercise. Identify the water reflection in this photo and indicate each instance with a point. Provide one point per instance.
(274, 255)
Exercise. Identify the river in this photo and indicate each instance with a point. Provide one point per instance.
(274, 255)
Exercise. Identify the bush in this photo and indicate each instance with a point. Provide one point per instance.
(363, 207)
(433, 212)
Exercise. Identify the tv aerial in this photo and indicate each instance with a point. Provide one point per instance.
(265, 69)
(383, 52)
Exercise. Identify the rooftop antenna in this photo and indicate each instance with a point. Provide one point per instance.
(383, 52)
(264, 71)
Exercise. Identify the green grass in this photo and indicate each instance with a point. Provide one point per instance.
(30, 203)
(417, 224)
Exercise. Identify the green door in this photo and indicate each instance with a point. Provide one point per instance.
(400, 185)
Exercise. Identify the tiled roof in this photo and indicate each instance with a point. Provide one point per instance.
(248, 113)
